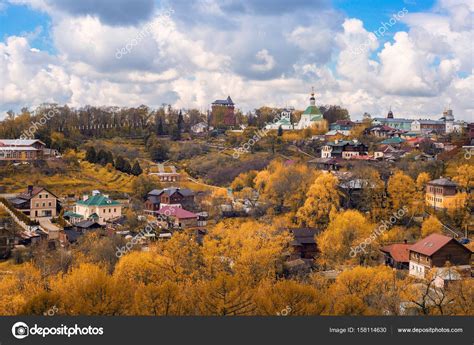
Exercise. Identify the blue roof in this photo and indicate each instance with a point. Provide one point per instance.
(227, 101)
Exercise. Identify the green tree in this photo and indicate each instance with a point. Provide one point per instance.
(91, 155)
(280, 131)
(136, 169)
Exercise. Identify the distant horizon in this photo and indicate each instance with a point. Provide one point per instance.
(357, 117)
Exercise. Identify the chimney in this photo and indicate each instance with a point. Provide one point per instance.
(30, 189)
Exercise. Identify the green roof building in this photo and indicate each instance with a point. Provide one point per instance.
(98, 207)
(312, 116)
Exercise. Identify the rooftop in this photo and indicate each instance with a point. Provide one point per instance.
(431, 244)
(227, 101)
(398, 251)
(443, 182)
(177, 212)
(98, 200)
(20, 142)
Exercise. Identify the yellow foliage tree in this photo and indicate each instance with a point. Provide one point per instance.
(17, 286)
(402, 191)
(465, 176)
(322, 198)
(347, 231)
(88, 290)
(431, 225)
(284, 185)
(367, 291)
(250, 249)
(288, 298)
(158, 299)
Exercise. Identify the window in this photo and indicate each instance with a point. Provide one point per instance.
(49, 204)
(40, 196)
(46, 196)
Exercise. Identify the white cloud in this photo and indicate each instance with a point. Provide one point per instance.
(257, 58)
(267, 62)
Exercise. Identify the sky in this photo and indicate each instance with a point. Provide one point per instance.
(366, 56)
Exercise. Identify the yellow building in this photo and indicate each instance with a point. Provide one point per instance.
(442, 194)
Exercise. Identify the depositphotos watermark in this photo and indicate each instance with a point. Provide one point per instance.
(469, 152)
(258, 135)
(34, 126)
(377, 232)
(142, 234)
(21, 330)
(380, 32)
(128, 47)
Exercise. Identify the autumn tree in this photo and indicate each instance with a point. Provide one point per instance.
(322, 198)
(284, 185)
(225, 295)
(17, 287)
(431, 225)
(245, 179)
(88, 290)
(367, 291)
(289, 297)
(347, 231)
(162, 299)
(251, 249)
(401, 191)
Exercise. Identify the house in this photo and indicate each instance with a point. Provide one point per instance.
(166, 173)
(70, 236)
(312, 116)
(21, 149)
(303, 244)
(436, 251)
(470, 129)
(394, 141)
(158, 198)
(202, 219)
(222, 113)
(179, 217)
(344, 149)
(388, 152)
(87, 225)
(325, 164)
(391, 121)
(442, 194)
(200, 127)
(283, 121)
(383, 131)
(36, 203)
(336, 133)
(342, 125)
(425, 126)
(397, 255)
(97, 207)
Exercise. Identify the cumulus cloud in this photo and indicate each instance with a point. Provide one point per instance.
(267, 62)
(259, 52)
(113, 12)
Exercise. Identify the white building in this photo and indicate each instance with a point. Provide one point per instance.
(284, 121)
(312, 116)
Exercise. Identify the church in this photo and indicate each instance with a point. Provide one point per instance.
(311, 117)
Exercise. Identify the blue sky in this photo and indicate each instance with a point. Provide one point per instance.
(261, 52)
